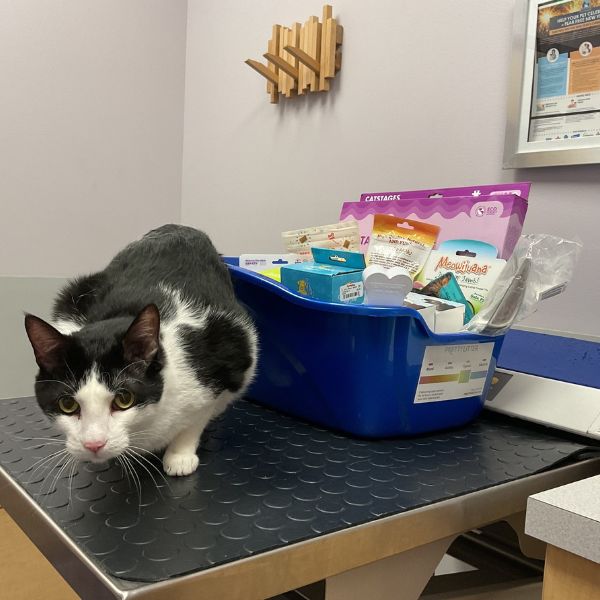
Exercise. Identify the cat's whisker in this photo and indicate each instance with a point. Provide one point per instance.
(46, 464)
(135, 457)
(140, 456)
(137, 477)
(67, 385)
(39, 463)
(50, 455)
(71, 475)
(140, 439)
(45, 491)
(145, 450)
(141, 431)
(28, 439)
(141, 452)
(125, 468)
(122, 465)
(141, 436)
(127, 367)
(41, 493)
(136, 481)
(117, 384)
(73, 378)
(50, 442)
(43, 462)
(70, 371)
(42, 442)
(135, 473)
(61, 471)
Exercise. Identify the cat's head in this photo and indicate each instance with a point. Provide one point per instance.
(100, 384)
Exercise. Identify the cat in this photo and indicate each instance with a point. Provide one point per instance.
(142, 355)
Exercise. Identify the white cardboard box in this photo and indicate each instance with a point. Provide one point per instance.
(448, 316)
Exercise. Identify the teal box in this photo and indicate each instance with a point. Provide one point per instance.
(334, 276)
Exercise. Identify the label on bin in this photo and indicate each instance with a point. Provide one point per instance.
(453, 372)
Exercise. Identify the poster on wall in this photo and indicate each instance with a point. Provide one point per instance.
(566, 92)
(554, 99)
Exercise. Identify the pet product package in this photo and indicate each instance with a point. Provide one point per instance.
(446, 287)
(386, 287)
(472, 263)
(494, 219)
(449, 316)
(268, 265)
(540, 268)
(401, 243)
(419, 304)
(334, 276)
(518, 189)
(262, 262)
(339, 236)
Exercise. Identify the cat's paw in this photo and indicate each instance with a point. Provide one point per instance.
(180, 464)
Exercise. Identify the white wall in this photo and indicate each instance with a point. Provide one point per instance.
(420, 102)
(17, 296)
(91, 124)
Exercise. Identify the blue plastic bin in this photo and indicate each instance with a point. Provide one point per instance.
(353, 368)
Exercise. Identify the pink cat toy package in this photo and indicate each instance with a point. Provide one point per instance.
(496, 219)
(498, 189)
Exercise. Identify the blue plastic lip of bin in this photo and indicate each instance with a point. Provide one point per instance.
(365, 310)
(397, 414)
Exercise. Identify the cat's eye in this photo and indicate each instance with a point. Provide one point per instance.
(68, 405)
(123, 400)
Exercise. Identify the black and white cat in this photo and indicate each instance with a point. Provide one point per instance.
(143, 354)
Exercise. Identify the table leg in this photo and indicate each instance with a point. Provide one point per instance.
(567, 576)
(399, 577)
(530, 546)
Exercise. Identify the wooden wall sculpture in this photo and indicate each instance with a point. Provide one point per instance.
(302, 58)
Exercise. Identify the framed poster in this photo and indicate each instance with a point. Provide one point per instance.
(554, 92)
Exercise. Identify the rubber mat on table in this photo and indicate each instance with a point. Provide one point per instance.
(265, 480)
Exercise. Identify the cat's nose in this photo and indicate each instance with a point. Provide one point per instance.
(94, 446)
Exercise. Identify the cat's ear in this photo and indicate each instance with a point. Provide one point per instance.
(48, 343)
(141, 340)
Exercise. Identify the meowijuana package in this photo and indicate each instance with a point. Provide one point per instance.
(473, 264)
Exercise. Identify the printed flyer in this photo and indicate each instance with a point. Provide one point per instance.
(566, 85)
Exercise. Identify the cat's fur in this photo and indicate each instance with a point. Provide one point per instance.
(161, 322)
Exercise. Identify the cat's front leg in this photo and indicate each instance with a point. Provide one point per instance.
(180, 457)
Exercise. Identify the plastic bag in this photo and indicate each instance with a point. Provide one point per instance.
(539, 268)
